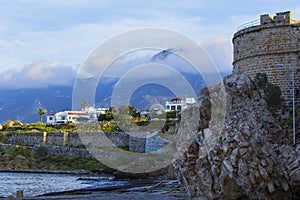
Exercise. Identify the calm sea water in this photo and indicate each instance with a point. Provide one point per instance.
(37, 184)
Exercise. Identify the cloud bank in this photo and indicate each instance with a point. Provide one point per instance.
(38, 75)
(66, 31)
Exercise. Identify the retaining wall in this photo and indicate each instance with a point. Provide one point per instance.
(59, 143)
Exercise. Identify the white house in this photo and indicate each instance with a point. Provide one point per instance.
(178, 103)
(66, 117)
(90, 114)
(94, 113)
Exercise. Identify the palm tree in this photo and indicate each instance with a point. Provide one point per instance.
(41, 112)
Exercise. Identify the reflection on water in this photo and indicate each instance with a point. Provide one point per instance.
(37, 184)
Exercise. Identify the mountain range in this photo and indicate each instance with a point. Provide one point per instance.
(23, 104)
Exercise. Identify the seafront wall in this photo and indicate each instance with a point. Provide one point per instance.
(65, 139)
(77, 144)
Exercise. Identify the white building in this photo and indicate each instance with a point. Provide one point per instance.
(90, 114)
(66, 117)
(178, 103)
(94, 113)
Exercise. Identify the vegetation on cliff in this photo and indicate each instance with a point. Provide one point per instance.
(270, 92)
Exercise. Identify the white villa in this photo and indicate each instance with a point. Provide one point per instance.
(94, 113)
(178, 103)
(90, 114)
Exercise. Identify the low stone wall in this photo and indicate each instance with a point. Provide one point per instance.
(155, 143)
(119, 139)
(55, 150)
(138, 142)
(66, 139)
(64, 151)
(27, 139)
(55, 139)
(146, 142)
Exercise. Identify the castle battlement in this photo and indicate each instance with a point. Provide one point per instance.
(268, 21)
(260, 48)
(281, 19)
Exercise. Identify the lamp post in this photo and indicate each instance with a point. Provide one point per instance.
(293, 99)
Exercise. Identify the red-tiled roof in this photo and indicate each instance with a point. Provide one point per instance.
(76, 113)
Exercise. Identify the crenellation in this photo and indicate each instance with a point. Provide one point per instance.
(283, 18)
(266, 19)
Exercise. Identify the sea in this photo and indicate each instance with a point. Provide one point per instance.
(37, 184)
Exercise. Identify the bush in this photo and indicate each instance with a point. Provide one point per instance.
(271, 93)
(41, 151)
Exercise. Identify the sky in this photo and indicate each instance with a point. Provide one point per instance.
(43, 42)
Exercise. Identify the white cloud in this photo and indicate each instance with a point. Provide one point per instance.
(66, 31)
(38, 75)
(73, 44)
(219, 48)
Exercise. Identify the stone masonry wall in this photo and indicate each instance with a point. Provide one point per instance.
(59, 142)
(155, 143)
(259, 49)
(27, 139)
(146, 142)
(65, 151)
(63, 139)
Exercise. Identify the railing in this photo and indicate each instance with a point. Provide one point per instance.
(249, 24)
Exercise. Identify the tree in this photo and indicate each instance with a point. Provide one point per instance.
(132, 110)
(272, 93)
(107, 116)
(41, 112)
(261, 80)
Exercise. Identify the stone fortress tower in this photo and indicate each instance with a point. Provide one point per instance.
(260, 46)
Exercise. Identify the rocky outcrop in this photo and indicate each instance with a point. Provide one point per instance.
(230, 147)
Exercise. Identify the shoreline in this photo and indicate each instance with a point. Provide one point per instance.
(47, 171)
(148, 189)
(134, 190)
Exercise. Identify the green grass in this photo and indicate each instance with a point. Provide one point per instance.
(24, 158)
(37, 127)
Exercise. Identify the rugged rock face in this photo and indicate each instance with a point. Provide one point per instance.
(230, 147)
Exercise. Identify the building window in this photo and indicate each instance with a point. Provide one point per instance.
(173, 107)
(179, 108)
(168, 107)
(50, 118)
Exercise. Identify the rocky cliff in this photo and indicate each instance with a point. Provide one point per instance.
(230, 147)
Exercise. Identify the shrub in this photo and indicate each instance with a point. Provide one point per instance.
(271, 93)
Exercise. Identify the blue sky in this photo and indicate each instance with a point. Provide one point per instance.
(40, 38)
